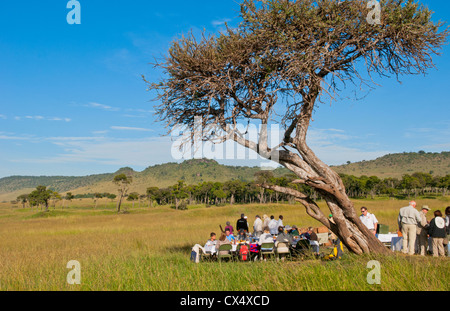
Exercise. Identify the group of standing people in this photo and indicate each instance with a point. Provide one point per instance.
(415, 229)
(259, 224)
(414, 226)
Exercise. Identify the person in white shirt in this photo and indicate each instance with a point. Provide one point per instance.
(266, 237)
(280, 222)
(369, 220)
(210, 244)
(258, 226)
(273, 225)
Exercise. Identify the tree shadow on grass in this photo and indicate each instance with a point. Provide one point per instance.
(184, 249)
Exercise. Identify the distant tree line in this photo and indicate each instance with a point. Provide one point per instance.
(236, 191)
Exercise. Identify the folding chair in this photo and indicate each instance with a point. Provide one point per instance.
(283, 250)
(206, 256)
(224, 251)
(267, 249)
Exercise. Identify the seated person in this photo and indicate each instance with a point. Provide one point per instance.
(230, 237)
(230, 227)
(283, 237)
(313, 240)
(305, 235)
(337, 251)
(242, 236)
(288, 229)
(266, 237)
(294, 231)
(211, 243)
(222, 240)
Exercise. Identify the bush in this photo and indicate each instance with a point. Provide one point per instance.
(183, 206)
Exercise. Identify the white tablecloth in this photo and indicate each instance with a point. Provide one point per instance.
(387, 238)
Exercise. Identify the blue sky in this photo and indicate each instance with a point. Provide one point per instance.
(72, 101)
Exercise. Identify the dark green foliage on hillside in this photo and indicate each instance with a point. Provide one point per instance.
(197, 171)
(396, 165)
(56, 183)
(200, 170)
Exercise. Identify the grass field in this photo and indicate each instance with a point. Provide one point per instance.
(149, 248)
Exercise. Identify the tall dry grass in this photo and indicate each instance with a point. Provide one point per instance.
(149, 248)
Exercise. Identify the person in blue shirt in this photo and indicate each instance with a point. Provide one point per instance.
(230, 237)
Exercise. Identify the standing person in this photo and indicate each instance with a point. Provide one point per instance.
(408, 218)
(266, 221)
(258, 226)
(438, 233)
(447, 225)
(422, 231)
(369, 220)
(242, 224)
(229, 227)
(280, 221)
(273, 225)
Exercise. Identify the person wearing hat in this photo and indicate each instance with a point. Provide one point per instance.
(437, 233)
(407, 220)
(422, 231)
(294, 231)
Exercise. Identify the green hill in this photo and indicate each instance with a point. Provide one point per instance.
(163, 175)
(396, 165)
(197, 171)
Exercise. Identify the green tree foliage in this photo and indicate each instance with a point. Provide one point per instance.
(40, 197)
(133, 197)
(23, 198)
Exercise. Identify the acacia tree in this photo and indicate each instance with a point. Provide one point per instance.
(123, 182)
(283, 59)
(23, 198)
(40, 196)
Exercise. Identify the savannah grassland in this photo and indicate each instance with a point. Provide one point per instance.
(149, 249)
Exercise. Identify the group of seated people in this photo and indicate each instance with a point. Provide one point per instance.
(289, 235)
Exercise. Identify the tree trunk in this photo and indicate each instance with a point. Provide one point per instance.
(119, 202)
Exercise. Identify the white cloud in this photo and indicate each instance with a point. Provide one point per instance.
(103, 107)
(40, 118)
(2, 116)
(138, 152)
(126, 128)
